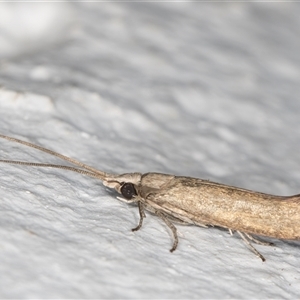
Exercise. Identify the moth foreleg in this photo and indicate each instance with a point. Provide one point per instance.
(126, 200)
(243, 236)
(142, 216)
(171, 226)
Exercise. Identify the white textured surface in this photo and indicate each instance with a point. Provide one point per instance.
(205, 90)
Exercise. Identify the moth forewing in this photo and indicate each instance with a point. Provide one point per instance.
(209, 203)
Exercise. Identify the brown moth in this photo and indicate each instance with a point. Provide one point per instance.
(187, 200)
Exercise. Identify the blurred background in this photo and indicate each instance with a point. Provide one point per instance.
(200, 89)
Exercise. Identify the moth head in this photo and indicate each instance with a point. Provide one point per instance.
(125, 184)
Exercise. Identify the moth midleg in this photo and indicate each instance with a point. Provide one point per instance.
(142, 216)
(171, 226)
(257, 241)
(243, 236)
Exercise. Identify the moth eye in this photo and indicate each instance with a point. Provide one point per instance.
(128, 191)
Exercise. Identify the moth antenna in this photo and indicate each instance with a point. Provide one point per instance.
(33, 164)
(101, 175)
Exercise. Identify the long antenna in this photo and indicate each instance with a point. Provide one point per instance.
(94, 172)
(25, 163)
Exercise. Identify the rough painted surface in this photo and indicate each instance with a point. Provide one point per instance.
(197, 89)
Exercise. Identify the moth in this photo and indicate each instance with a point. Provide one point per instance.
(193, 201)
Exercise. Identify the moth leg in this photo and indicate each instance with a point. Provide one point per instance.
(126, 200)
(142, 216)
(242, 235)
(171, 226)
(259, 242)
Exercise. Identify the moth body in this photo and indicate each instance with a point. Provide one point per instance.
(202, 202)
(187, 200)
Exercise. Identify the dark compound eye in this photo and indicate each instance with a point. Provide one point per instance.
(128, 191)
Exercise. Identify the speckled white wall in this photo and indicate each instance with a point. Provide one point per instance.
(199, 89)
